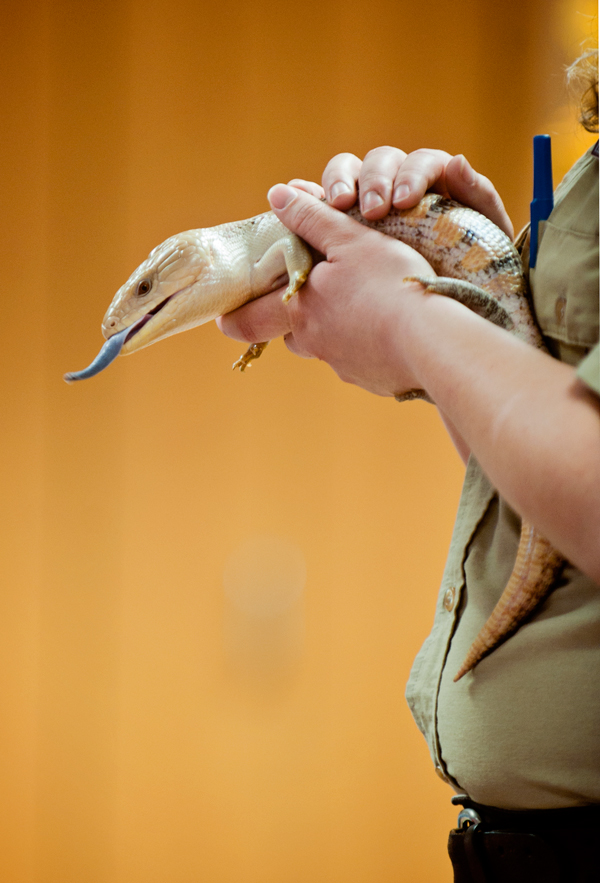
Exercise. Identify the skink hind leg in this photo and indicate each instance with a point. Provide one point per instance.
(469, 295)
(535, 572)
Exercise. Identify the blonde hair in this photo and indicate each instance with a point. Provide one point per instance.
(582, 78)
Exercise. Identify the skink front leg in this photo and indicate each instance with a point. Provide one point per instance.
(253, 352)
(287, 257)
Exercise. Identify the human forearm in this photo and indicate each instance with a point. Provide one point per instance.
(528, 420)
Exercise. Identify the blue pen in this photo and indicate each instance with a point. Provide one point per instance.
(543, 196)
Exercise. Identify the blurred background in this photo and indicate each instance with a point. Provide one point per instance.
(213, 585)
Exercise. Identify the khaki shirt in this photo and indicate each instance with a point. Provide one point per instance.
(523, 730)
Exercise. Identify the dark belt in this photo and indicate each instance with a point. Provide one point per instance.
(525, 846)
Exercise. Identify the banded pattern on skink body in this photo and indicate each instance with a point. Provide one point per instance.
(198, 275)
(463, 245)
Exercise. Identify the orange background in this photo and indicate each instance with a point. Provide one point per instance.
(213, 585)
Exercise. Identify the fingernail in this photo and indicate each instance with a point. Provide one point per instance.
(371, 200)
(339, 188)
(400, 193)
(280, 195)
(466, 172)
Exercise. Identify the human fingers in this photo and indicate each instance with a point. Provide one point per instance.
(421, 170)
(452, 177)
(386, 176)
(265, 318)
(376, 180)
(475, 190)
(308, 187)
(339, 180)
(345, 175)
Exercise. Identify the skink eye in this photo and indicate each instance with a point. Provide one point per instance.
(143, 287)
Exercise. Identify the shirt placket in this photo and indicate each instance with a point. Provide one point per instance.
(426, 675)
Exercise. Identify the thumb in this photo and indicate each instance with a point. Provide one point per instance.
(469, 187)
(322, 226)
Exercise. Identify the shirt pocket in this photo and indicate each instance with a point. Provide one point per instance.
(565, 286)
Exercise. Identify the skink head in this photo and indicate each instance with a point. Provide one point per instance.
(157, 292)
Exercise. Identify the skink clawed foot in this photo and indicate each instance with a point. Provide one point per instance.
(253, 352)
(296, 282)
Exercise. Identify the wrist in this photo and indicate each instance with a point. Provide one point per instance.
(417, 338)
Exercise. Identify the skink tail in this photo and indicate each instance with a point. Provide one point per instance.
(536, 568)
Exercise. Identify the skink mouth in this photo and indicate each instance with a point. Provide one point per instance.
(113, 346)
(137, 326)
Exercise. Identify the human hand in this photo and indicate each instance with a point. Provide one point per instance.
(354, 311)
(389, 177)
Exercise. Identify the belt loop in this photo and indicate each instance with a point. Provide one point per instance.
(473, 857)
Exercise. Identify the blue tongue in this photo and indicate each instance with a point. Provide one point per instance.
(107, 354)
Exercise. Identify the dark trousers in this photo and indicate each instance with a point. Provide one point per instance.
(540, 846)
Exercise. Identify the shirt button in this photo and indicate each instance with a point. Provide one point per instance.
(450, 599)
(560, 309)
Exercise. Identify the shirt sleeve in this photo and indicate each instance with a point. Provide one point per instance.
(589, 369)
